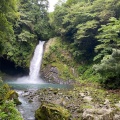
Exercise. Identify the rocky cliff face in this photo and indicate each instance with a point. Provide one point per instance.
(57, 65)
(52, 75)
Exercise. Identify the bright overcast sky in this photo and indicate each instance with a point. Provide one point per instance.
(51, 5)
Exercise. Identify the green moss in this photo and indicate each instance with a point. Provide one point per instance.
(64, 70)
(57, 55)
(11, 94)
(50, 111)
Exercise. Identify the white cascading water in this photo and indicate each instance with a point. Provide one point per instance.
(36, 62)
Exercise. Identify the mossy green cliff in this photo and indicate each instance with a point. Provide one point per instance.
(58, 64)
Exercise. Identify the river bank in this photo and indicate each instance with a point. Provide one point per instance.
(84, 101)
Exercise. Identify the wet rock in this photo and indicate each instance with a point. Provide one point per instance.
(50, 111)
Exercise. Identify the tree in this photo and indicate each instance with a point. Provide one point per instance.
(109, 70)
(20, 31)
(8, 14)
(109, 52)
(108, 37)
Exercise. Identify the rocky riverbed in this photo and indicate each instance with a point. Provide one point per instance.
(84, 102)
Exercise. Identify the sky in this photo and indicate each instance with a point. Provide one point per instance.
(51, 5)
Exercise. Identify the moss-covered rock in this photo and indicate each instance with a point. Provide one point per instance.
(7, 94)
(12, 95)
(50, 111)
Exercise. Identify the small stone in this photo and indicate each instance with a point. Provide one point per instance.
(82, 94)
(88, 98)
(64, 103)
(106, 102)
(118, 104)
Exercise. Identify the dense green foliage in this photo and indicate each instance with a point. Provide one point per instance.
(22, 24)
(8, 15)
(8, 111)
(109, 49)
(92, 28)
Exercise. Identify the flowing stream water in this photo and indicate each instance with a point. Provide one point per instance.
(30, 84)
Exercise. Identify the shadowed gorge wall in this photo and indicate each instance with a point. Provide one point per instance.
(8, 67)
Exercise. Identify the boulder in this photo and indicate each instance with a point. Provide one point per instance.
(12, 95)
(50, 111)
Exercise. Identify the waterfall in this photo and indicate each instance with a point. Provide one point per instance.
(35, 63)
